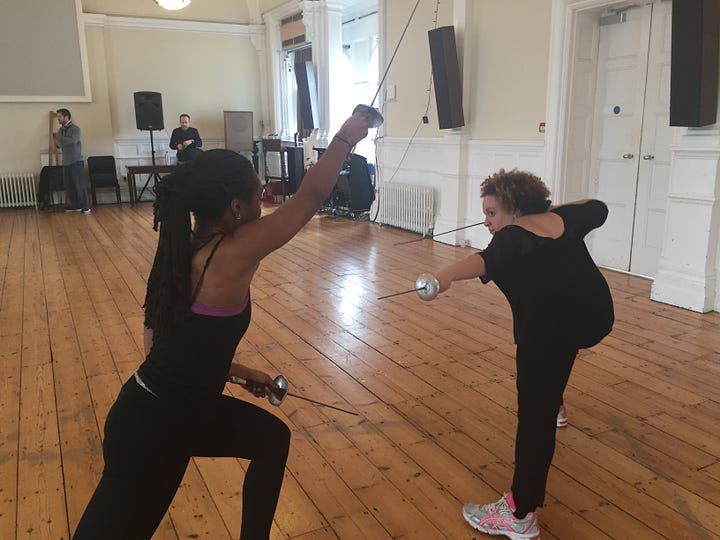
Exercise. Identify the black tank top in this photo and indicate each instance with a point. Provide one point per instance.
(191, 362)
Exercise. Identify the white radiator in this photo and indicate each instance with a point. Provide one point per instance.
(17, 190)
(406, 206)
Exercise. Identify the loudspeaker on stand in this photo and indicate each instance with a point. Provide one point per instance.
(148, 111)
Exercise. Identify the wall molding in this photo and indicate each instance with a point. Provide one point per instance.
(140, 23)
(137, 151)
(678, 287)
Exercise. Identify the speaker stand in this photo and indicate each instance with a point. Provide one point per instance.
(154, 175)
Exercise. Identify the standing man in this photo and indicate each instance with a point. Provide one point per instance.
(68, 140)
(186, 140)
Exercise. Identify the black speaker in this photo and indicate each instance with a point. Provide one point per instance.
(694, 62)
(148, 111)
(307, 94)
(446, 75)
(296, 167)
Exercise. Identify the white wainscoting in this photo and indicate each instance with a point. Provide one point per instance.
(137, 151)
(129, 151)
(455, 167)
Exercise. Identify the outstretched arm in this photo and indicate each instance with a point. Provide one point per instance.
(469, 268)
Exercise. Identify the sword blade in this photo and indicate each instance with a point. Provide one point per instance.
(404, 292)
(321, 403)
(438, 234)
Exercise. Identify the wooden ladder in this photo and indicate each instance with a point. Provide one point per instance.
(52, 147)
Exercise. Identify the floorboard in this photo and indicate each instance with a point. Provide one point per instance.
(433, 383)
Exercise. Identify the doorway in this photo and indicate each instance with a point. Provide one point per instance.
(618, 138)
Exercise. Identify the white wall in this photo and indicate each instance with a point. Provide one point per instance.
(508, 50)
(200, 68)
(503, 48)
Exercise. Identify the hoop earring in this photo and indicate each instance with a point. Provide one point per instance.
(238, 217)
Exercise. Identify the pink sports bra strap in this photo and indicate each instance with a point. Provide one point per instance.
(202, 309)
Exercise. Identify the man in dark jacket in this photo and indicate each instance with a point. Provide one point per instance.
(186, 140)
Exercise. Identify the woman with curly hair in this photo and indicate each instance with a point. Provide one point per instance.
(560, 303)
(197, 309)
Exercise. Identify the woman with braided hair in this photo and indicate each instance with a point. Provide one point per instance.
(197, 309)
(560, 303)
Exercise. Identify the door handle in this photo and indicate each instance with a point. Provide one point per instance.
(648, 157)
(628, 156)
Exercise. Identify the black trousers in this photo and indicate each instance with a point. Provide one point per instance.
(542, 375)
(148, 445)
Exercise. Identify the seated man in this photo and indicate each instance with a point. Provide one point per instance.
(186, 140)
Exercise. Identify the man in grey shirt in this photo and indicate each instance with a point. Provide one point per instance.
(68, 140)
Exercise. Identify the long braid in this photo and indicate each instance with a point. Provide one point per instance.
(204, 187)
(167, 300)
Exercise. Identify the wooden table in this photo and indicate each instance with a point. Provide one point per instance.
(150, 170)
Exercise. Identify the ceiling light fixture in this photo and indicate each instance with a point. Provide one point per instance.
(173, 4)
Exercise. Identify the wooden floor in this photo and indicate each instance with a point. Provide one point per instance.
(433, 383)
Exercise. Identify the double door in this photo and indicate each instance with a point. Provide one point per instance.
(630, 160)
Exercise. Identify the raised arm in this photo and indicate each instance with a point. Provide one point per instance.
(272, 231)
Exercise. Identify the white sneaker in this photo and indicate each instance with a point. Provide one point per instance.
(562, 419)
(86, 211)
(497, 519)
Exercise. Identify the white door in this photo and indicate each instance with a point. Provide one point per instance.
(654, 163)
(631, 137)
(619, 98)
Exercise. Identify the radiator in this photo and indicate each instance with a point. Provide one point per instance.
(407, 207)
(17, 189)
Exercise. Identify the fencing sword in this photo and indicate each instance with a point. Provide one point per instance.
(376, 119)
(426, 286)
(438, 234)
(280, 391)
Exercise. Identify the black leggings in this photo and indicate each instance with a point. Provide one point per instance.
(148, 446)
(542, 375)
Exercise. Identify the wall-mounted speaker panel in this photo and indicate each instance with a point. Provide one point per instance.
(446, 76)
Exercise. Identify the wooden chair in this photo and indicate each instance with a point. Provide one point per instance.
(103, 174)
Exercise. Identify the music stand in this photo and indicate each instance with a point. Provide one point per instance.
(154, 175)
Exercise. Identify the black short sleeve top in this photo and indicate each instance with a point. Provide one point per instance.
(555, 290)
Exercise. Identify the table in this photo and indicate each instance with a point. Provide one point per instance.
(150, 170)
(292, 167)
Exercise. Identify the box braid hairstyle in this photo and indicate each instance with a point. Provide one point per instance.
(204, 187)
(517, 191)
